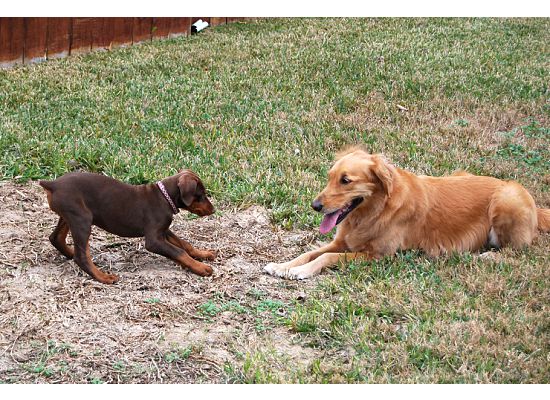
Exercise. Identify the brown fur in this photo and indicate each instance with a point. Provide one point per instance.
(84, 199)
(400, 211)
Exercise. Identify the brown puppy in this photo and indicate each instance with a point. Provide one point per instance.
(84, 199)
(382, 209)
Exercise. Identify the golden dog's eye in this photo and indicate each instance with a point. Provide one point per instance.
(345, 180)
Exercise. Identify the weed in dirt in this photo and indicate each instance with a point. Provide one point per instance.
(274, 306)
(178, 354)
(119, 366)
(266, 310)
(47, 361)
(461, 122)
(256, 293)
(209, 308)
(213, 307)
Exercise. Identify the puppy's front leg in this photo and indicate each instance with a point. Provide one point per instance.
(283, 268)
(188, 247)
(159, 245)
(326, 260)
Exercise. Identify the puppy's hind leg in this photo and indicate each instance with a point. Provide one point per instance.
(59, 236)
(81, 228)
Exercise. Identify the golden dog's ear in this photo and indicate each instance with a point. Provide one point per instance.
(187, 184)
(383, 171)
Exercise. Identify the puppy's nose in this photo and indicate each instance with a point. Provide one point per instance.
(317, 205)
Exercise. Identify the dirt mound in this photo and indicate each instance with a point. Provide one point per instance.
(159, 323)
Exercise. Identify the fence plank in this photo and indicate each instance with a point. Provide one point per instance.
(215, 21)
(161, 27)
(82, 34)
(180, 26)
(123, 28)
(36, 30)
(12, 36)
(102, 34)
(142, 29)
(58, 39)
(112, 32)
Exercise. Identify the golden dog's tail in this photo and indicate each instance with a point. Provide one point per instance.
(543, 217)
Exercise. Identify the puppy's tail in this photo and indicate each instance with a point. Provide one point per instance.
(48, 185)
(543, 218)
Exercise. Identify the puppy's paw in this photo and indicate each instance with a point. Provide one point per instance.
(300, 273)
(108, 279)
(202, 270)
(208, 254)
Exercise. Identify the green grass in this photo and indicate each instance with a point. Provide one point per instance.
(534, 153)
(178, 355)
(413, 319)
(49, 361)
(258, 110)
(267, 312)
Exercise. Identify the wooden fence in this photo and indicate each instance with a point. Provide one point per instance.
(27, 40)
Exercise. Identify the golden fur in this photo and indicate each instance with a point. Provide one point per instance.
(400, 211)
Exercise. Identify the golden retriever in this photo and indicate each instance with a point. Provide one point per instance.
(380, 209)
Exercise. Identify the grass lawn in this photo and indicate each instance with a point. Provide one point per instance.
(258, 110)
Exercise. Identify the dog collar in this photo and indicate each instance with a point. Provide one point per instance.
(162, 189)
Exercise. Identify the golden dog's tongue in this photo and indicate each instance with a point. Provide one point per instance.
(329, 222)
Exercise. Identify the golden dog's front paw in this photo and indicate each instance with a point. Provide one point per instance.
(276, 269)
(269, 268)
(299, 273)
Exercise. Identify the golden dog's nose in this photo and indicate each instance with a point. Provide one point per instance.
(317, 205)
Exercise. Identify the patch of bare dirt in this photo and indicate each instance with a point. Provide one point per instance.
(159, 323)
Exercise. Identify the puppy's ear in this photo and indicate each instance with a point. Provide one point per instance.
(383, 171)
(187, 184)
